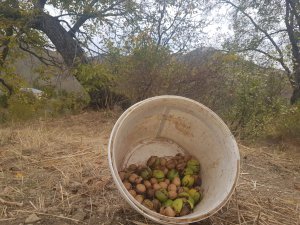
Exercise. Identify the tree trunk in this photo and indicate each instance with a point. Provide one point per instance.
(296, 89)
(65, 44)
(295, 96)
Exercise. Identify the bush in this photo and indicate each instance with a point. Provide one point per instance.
(147, 70)
(253, 106)
(245, 95)
(3, 100)
(286, 124)
(23, 106)
(99, 81)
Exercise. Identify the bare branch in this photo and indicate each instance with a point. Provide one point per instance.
(257, 27)
(175, 18)
(44, 60)
(171, 35)
(162, 14)
(279, 60)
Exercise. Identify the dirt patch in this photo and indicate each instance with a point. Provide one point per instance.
(58, 170)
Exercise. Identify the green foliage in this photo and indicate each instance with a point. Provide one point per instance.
(99, 81)
(3, 100)
(65, 103)
(253, 97)
(23, 106)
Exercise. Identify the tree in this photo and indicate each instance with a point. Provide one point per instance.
(71, 25)
(175, 24)
(63, 30)
(270, 28)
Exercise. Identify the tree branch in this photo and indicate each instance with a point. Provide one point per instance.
(279, 60)
(257, 27)
(85, 16)
(44, 60)
(175, 18)
(162, 14)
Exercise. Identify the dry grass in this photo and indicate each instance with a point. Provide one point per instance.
(58, 170)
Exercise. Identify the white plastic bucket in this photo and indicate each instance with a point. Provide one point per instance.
(165, 126)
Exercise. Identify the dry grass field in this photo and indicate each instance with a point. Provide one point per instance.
(56, 172)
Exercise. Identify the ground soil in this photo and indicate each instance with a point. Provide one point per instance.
(58, 170)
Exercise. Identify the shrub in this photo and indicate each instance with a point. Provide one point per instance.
(286, 124)
(23, 106)
(147, 70)
(99, 81)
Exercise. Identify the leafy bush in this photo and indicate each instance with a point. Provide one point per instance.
(23, 106)
(255, 98)
(98, 80)
(3, 100)
(65, 103)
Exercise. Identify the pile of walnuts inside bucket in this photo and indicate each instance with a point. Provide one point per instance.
(169, 185)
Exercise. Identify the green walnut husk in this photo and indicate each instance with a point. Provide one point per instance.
(181, 171)
(172, 174)
(188, 171)
(161, 195)
(194, 165)
(195, 195)
(191, 202)
(183, 195)
(146, 173)
(159, 175)
(177, 205)
(188, 181)
(169, 202)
